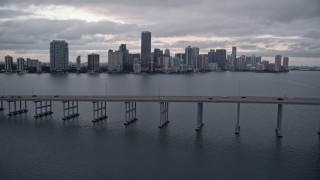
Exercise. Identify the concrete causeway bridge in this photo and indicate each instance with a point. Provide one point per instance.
(17, 104)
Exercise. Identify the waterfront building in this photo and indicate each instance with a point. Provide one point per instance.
(78, 63)
(192, 54)
(39, 67)
(8, 63)
(271, 67)
(136, 66)
(94, 62)
(182, 57)
(115, 61)
(277, 62)
(211, 55)
(127, 67)
(189, 56)
(202, 62)
(145, 49)
(59, 55)
(234, 58)
(265, 64)
(286, 63)
(220, 58)
(32, 62)
(167, 52)
(20, 64)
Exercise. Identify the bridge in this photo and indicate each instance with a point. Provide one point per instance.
(17, 104)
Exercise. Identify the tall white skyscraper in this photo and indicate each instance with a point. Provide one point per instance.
(59, 55)
(277, 63)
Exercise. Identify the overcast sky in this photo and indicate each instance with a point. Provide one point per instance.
(261, 27)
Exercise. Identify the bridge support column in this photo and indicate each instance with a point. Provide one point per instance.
(164, 114)
(1, 106)
(42, 108)
(199, 116)
(131, 112)
(279, 121)
(99, 111)
(18, 107)
(70, 109)
(237, 130)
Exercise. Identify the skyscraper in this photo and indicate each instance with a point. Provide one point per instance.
(211, 54)
(145, 49)
(286, 63)
(220, 58)
(8, 63)
(189, 56)
(167, 52)
(20, 63)
(234, 58)
(59, 55)
(93, 62)
(127, 66)
(277, 66)
(78, 65)
(115, 61)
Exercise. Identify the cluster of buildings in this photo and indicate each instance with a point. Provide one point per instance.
(22, 65)
(158, 61)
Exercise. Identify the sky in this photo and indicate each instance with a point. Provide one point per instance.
(256, 27)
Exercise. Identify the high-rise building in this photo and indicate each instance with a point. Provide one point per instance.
(59, 55)
(234, 58)
(20, 64)
(8, 63)
(115, 61)
(145, 49)
(78, 63)
(192, 54)
(277, 63)
(127, 65)
(286, 63)
(189, 56)
(220, 58)
(182, 57)
(167, 52)
(211, 54)
(32, 62)
(93, 62)
(195, 56)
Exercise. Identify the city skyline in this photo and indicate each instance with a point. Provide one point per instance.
(259, 28)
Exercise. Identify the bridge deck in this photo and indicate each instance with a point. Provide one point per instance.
(206, 99)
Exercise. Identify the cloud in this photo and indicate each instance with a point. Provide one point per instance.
(254, 26)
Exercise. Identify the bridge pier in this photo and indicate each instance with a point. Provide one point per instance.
(237, 131)
(1, 106)
(164, 114)
(73, 107)
(99, 111)
(42, 109)
(17, 110)
(131, 112)
(279, 121)
(199, 116)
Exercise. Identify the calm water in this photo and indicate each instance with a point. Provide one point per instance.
(50, 148)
